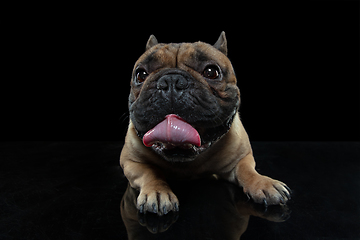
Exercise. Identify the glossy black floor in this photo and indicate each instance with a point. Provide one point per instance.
(76, 190)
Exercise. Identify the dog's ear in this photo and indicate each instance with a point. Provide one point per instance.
(151, 42)
(221, 43)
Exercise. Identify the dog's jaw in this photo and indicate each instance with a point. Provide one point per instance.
(189, 152)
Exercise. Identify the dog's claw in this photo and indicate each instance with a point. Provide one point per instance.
(165, 210)
(265, 203)
(141, 208)
(287, 195)
(248, 196)
(154, 208)
(287, 188)
(176, 207)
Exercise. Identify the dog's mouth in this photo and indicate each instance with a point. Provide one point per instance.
(175, 139)
(178, 141)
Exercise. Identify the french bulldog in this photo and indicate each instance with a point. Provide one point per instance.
(184, 124)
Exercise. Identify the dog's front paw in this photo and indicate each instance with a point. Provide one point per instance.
(157, 200)
(268, 191)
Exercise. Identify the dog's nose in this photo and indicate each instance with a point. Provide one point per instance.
(172, 82)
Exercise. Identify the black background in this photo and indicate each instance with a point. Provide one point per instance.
(297, 66)
(66, 68)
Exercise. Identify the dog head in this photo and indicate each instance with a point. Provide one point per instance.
(183, 97)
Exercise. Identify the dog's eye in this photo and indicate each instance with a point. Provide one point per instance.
(141, 75)
(211, 72)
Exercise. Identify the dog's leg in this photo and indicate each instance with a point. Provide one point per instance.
(155, 194)
(261, 189)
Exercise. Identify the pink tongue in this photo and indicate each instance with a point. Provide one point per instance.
(173, 130)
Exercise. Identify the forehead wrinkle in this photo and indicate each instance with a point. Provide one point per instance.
(161, 55)
(166, 55)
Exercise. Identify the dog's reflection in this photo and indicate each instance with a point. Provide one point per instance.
(210, 209)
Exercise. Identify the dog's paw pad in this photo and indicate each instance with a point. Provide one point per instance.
(268, 191)
(159, 202)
